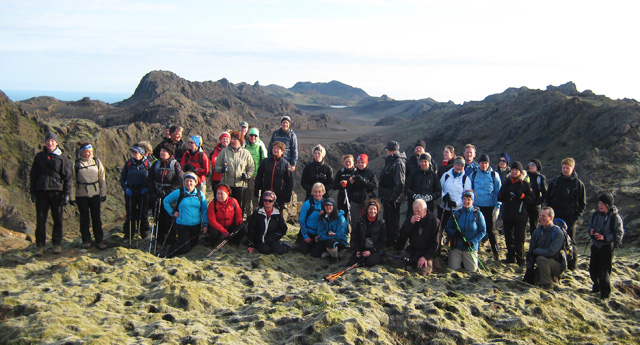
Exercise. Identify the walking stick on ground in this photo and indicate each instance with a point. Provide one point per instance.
(223, 242)
(332, 277)
(184, 244)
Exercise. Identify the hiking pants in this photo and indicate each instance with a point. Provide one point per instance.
(372, 260)
(391, 216)
(49, 200)
(89, 209)
(600, 268)
(137, 208)
(275, 247)
(514, 233)
(458, 258)
(492, 233)
(548, 270)
(187, 239)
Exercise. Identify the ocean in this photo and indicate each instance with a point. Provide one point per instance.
(107, 97)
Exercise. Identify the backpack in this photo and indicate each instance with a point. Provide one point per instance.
(568, 254)
(158, 166)
(145, 164)
(77, 169)
(183, 194)
(198, 155)
(464, 179)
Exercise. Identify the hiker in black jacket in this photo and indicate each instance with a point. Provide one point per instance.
(317, 171)
(539, 188)
(50, 184)
(392, 178)
(424, 184)
(568, 198)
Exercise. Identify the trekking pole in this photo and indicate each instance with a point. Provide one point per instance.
(140, 215)
(184, 244)
(164, 243)
(154, 229)
(440, 231)
(346, 200)
(131, 219)
(471, 252)
(332, 277)
(223, 242)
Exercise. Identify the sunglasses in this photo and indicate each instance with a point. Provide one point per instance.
(267, 200)
(532, 164)
(191, 142)
(502, 160)
(252, 135)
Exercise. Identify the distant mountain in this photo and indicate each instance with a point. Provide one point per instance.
(320, 94)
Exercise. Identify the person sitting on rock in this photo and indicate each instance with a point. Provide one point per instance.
(333, 231)
(466, 228)
(422, 231)
(225, 217)
(369, 237)
(545, 259)
(267, 227)
(606, 231)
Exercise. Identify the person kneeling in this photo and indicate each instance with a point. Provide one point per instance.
(467, 227)
(267, 227)
(332, 231)
(225, 217)
(545, 259)
(422, 231)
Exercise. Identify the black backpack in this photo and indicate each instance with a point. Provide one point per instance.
(568, 254)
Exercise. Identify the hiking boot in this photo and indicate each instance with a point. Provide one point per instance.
(86, 245)
(548, 287)
(57, 249)
(595, 288)
(39, 251)
(101, 245)
(325, 255)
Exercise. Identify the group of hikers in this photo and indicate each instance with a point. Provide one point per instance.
(456, 202)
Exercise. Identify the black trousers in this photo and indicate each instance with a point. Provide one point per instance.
(600, 268)
(137, 208)
(275, 247)
(322, 246)
(391, 216)
(49, 200)
(165, 224)
(89, 208)
(492, 233)
(213, 236)
(188, 237)
(372, 260)
(514, 238)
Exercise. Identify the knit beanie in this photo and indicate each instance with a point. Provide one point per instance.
(517, 165)
(169, 148)
(393, 146)
(426, 156)
(197, 139)
(191, 176)
(506, 156)
(363, 157)
(51, 135)
(285, 118)
(538, 164)
(606, 199)
(459, 160)
(224, 134)
(484, 158)
(421, 143)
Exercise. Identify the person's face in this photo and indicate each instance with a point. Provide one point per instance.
(424, 164)
(567, 170)
(268, 202)
(221, 195)
(502, 163)
(87, 154)
(51, 144)
(348, 163)
(469, 155)
(467, 201)
(418, 150)
(136, 155)
(361, 165)
(176, 136)
(244, 130)
(253, 138)
(483, 166)
(189, 184)
(389, 153)
(533, 167)
(602, 207)
(285, 125)
(192, 145)
(167, 134)
(446, 154)
(372, 211)
(544, 218)
(515, 173)
(328, 208)
(164, 155)
(225, 141)
(235, 143)
(317, 155)
(317, 194)
(277, 151)
(418, 211)
(457, 168)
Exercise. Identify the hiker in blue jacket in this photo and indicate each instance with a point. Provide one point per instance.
(467, 235)
(486, 184)
(333, 231)
(309, 218)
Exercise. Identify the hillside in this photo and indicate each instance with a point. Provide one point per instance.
(320, 94)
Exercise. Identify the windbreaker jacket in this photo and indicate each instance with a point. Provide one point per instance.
(515, 196)
(275, 175)
(263, 229)
(134, 174)
(213, 158)
(454, 186)
(423, 182)
(309, 221)
(193, 209)
(602, 223)
(316, 172)
(365, 229)
(487, 185)
(51, 171)
(338, 225)
(238, 161)
(290, 141)
(392, 177)
(538, 187)
(473, 227)
(258, 152)
(546, 241)
(223, 216)
(199, 161)
(365, 184)
(165, 176)
(567, 195)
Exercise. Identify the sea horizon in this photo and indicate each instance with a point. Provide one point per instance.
(107, 97)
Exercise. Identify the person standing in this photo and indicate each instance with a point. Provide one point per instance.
(317, 171)
(364, 183)
(423, 184)
(486, 184)
(413, 162)
(274, 175)
(422, 231)
(223, 141)
(392, 178)
(606, 230)
(470, 166)
(90, 191)
(258, 152)
(285, 135)
(539, 188)
(466, 228)
(568, 198)
(545, 257)
(195, 160)
(515, 194)
(175, 139)
(342, 185)
(244, 132)
(133, 180)
(50, 185)
(165, 176)
(448, 156)
(503, 168)
(453, 183)
(235, 164)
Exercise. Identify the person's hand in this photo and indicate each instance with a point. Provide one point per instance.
(293, 168)
(317, 238)
(225, 234)
(321, 213)
(308, 239)
(366, 253)
(343, 183)
(225, 168)
(176, 214)
(351, 179)
(103, 198)
(251, 250)
(331, 233)
(72, 202)
(598, 237)
(358, 254)
(415, 218)
(34, 198)
(205, 229)
(422, 262)
(467, 243)
(244, 177)
(128, 192)
(65, 200)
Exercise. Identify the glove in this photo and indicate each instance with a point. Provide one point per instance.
(446, 199)
(426, 197)
(225, 234)
(225, 169)
(528, 276)
(417, 196)
(103, 198)
(467, 244)
(72, 202)
(65, 200)
(244, 177)
(128, 192)
(322, 177)
(34, 198)
(453, 204)
(343, 183)
(144, 191)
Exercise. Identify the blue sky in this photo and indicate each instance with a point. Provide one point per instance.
(407, 49)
